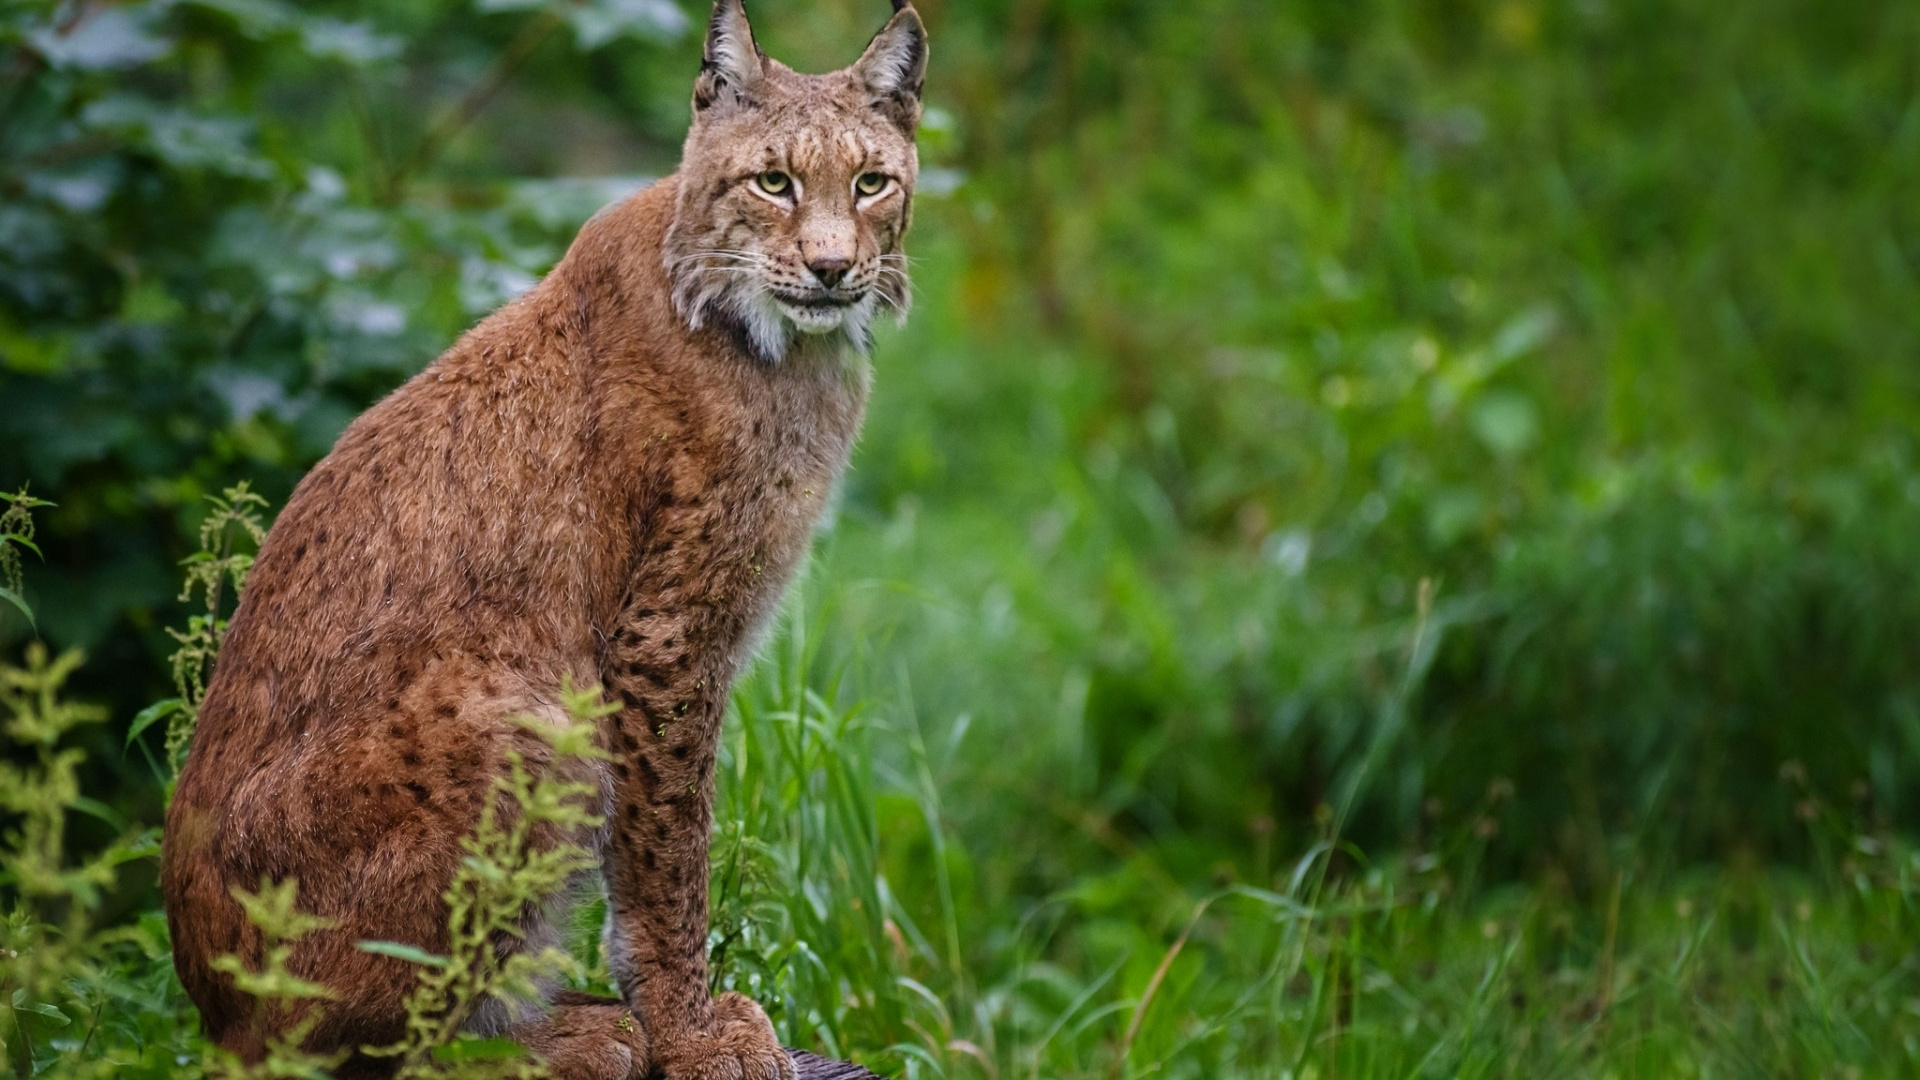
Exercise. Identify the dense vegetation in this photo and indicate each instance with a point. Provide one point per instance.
(1386, 548)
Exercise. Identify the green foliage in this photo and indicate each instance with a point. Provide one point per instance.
(35, 870)
(16, 532)
(46, 789)
(516, 858)
(227, 227)
(55, 979)
(861, 904)
(235, 515)
(1248, 319)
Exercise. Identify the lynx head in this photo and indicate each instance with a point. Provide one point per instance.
(795, 190)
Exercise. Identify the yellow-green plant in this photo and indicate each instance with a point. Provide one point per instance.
(507, 869)
(229, 537)
(49, 933)
(16, 531)
(53, 956)
(284, 995)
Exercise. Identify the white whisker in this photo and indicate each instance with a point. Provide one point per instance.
(750, 257)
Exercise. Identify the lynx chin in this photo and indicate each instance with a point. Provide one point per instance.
(610, 479)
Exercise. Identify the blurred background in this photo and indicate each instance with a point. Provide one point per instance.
(1464, 450)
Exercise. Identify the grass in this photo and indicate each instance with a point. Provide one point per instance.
(885, 908)
(872, 900)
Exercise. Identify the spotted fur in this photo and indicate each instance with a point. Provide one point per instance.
(744, 260)
(611, 478)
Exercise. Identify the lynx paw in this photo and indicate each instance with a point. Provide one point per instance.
(738, 1044)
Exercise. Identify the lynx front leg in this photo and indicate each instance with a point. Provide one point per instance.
(665, 739)
(587, 1038)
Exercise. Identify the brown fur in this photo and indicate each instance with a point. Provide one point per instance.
(611, 478)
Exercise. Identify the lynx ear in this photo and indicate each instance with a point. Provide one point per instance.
(732, 64)
(894, 67)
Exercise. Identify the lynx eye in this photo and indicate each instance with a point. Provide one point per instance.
(774, 182)
(872, 183)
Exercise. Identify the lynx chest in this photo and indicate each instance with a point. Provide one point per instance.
(733, 492)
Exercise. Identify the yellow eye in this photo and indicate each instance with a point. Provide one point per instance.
(774, 182)
(872, 183)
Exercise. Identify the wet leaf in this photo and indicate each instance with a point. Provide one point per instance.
(110, 39)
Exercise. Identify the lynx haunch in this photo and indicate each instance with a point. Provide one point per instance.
(611, 479)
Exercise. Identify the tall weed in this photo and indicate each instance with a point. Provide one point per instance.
(230, 536)
(59, 976)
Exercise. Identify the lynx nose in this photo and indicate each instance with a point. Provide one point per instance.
(830, 269)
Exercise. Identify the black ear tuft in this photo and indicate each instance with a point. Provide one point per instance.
(894, 67)
(732, 65)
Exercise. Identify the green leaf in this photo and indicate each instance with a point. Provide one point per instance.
(350, 42)
(16, 538)
(20, 602)
(469, 1049)
(112, 38)
(99, 811)
(181, 138)
(255, 18)
(1506, 421)
(409, 953)
(598, 22)
(153, 714)
(1524, 333)
(38, 1008)
(145, 845)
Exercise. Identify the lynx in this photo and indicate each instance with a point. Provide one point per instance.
(610, 479)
